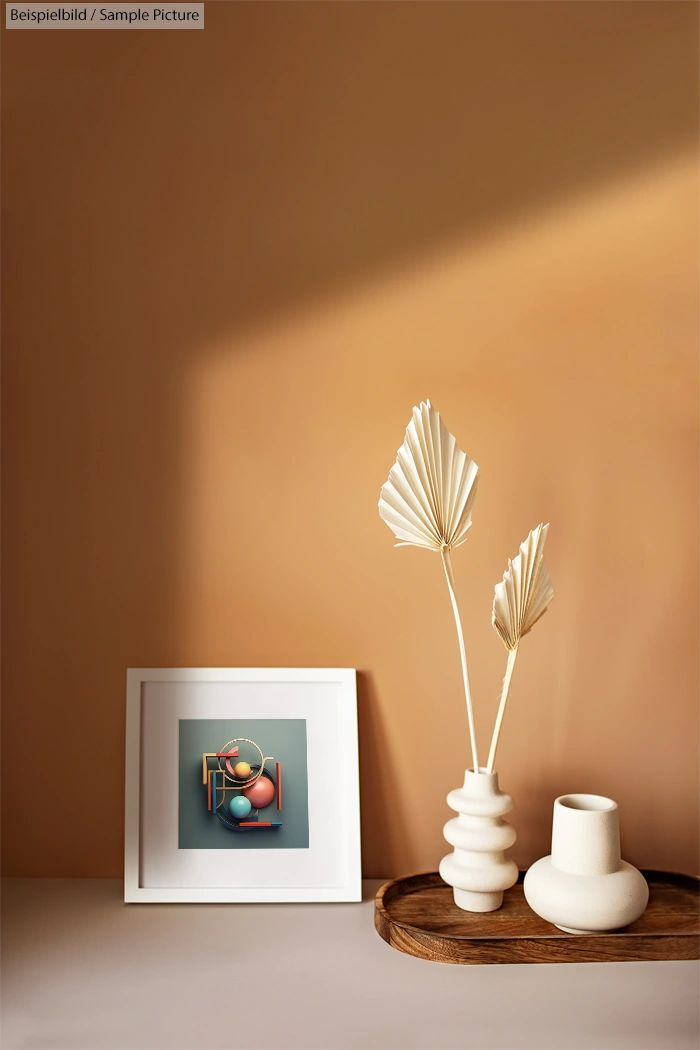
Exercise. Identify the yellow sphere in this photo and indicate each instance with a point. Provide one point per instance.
(241, 769)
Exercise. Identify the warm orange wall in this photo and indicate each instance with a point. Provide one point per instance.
(233, 261)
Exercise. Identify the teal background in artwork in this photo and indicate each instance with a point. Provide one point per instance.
(285, 740)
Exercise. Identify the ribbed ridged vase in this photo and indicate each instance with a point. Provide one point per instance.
(478, 869)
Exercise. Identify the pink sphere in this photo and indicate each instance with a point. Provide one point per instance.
(261, 793)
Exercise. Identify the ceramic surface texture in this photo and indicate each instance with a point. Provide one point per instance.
(478, 869)
(585, 886)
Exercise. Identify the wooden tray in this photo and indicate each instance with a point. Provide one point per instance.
(417, 915)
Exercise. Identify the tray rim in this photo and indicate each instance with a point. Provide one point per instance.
(693, 884)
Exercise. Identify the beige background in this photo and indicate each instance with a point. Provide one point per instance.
(233, 261)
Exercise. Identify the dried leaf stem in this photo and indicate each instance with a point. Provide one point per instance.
(512, 653)
(447, 563)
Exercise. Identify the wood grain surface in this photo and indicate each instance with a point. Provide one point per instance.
(417, 915)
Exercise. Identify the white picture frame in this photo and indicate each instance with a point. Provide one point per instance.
(157, 870)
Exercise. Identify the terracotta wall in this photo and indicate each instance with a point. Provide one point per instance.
(233, 261)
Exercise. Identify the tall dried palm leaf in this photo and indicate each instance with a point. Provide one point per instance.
(427, 502)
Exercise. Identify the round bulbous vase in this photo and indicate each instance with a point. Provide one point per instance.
(478, 869)
(584, 886)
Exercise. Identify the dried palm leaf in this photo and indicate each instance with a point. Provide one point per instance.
(519, 602)
(427, 502)
(525, 592)
(428, 499)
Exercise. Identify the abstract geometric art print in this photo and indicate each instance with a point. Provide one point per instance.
(251, 787)
(232, 791)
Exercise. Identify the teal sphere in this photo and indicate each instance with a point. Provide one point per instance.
(239, 807)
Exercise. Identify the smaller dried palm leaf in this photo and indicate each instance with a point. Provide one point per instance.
(525, 592)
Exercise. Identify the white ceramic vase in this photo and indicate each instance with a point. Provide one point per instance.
(585, 886)
(478, 869)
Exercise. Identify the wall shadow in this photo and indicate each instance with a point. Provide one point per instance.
(384, 826)
(291, 148)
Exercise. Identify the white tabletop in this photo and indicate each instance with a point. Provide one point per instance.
(83, 970)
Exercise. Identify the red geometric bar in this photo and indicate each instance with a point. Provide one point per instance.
(259, 824)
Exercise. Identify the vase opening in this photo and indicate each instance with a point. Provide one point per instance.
(589, 803)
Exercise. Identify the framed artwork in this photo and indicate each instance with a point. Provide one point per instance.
(242, 785)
